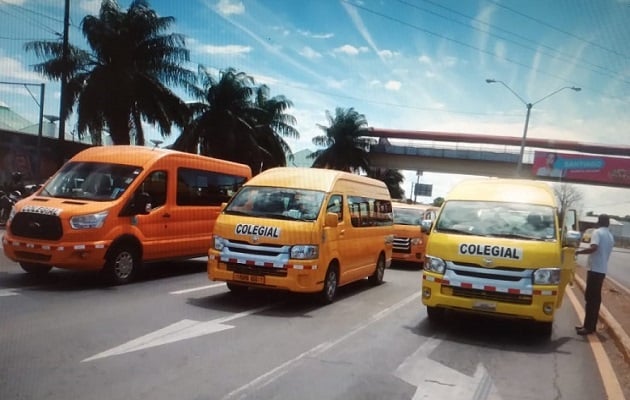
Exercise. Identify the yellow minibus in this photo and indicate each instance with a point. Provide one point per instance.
(303, 230)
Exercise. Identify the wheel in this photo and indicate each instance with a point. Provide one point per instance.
(544, 329)
(377, 277)
(237, 289)
(435, 314)
(122, 264)
(331, 282)
(35, 269)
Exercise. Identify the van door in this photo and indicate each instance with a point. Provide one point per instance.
(154, 226)
(568, 255)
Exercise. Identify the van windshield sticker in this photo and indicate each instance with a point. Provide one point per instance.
(258, 230)
(42, 210)
(489, 250)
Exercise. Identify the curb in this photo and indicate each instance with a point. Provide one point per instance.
(619, 335)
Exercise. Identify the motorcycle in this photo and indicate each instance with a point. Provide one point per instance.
(7, 201)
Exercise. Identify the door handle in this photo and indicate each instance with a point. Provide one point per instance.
(167, 215)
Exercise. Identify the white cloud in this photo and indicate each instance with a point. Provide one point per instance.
(350, 50)
(387, 54)
(315, 35)
(91, 7)
(309, 53)
(230, 7)
(232, 49)
(393, 85)
(13, 69)
(424, 59)
(335, 84)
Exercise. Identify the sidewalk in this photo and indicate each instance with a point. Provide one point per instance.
(614, 312)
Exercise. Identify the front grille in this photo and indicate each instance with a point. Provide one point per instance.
(255, 270)
(36, 226)
(26, 255)
(401, 245)
(493, 296)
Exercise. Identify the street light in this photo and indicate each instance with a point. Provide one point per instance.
(529, 109)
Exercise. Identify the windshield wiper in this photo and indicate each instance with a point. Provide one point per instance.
(453, 230)
(515, 236)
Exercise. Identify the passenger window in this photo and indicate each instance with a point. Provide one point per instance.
(155, 186)
(205, 188)
(335, 206)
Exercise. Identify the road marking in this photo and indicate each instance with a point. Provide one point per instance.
(609, 377)
(195, 289)
(9, 292)
(435, 380)
(182, 330)
(272, 375)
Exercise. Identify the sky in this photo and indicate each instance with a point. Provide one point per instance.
(408, 65)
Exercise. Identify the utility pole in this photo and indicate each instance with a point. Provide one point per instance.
(63, 110)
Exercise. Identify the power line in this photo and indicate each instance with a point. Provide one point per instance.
(548, 25)
(32, 11)
(461, 43)
(567, 57)
(30, 20)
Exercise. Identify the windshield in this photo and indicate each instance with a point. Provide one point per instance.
(280, 203)
(91, 181)
(407, 216)
(511, 220)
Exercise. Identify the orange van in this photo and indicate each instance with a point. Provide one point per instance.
(112, 208)
(410, 241)
(303, 230)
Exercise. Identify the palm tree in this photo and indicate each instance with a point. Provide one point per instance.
(392, 178)
(235, 120)
(346, 149)
(124, 79)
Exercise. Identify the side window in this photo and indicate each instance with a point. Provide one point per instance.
(365, 212)
(335, 206)
(205, 188)
(155, 186)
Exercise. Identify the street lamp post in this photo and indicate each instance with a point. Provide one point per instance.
(529, 110)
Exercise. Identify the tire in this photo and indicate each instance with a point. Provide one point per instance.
(544, 329)
(331, 282)
(122, 264)
(379, 272)
(435, 314)
(35, 269)
(237, 289)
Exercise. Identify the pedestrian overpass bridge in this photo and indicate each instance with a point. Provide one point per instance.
(476, 154)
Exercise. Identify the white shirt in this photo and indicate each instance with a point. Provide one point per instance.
(598, 261)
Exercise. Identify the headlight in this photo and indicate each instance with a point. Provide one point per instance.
(433, 264)
(89, 221)
(219, 243)
(547, 276)
(416, 241)
(304, 252)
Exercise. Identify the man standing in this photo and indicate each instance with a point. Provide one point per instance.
(602, 243)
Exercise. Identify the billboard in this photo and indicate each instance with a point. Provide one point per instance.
(421, 189)
(582, 168)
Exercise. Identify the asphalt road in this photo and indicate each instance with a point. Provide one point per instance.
(176, 335)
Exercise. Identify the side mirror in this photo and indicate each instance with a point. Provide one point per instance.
(331, 220)
(223, 205)
(572, 239)
(426, 225)
(141, 203)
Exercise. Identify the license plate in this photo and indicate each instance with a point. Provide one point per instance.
(485, 305)
(249, 278)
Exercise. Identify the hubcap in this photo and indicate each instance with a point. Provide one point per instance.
(331, 285)
(124, 265)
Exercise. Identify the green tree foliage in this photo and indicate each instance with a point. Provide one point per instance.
(124, 79)
(346, 148)
(235, 120)
(392, 178)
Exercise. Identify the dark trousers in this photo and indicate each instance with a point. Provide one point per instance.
(593, 299)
